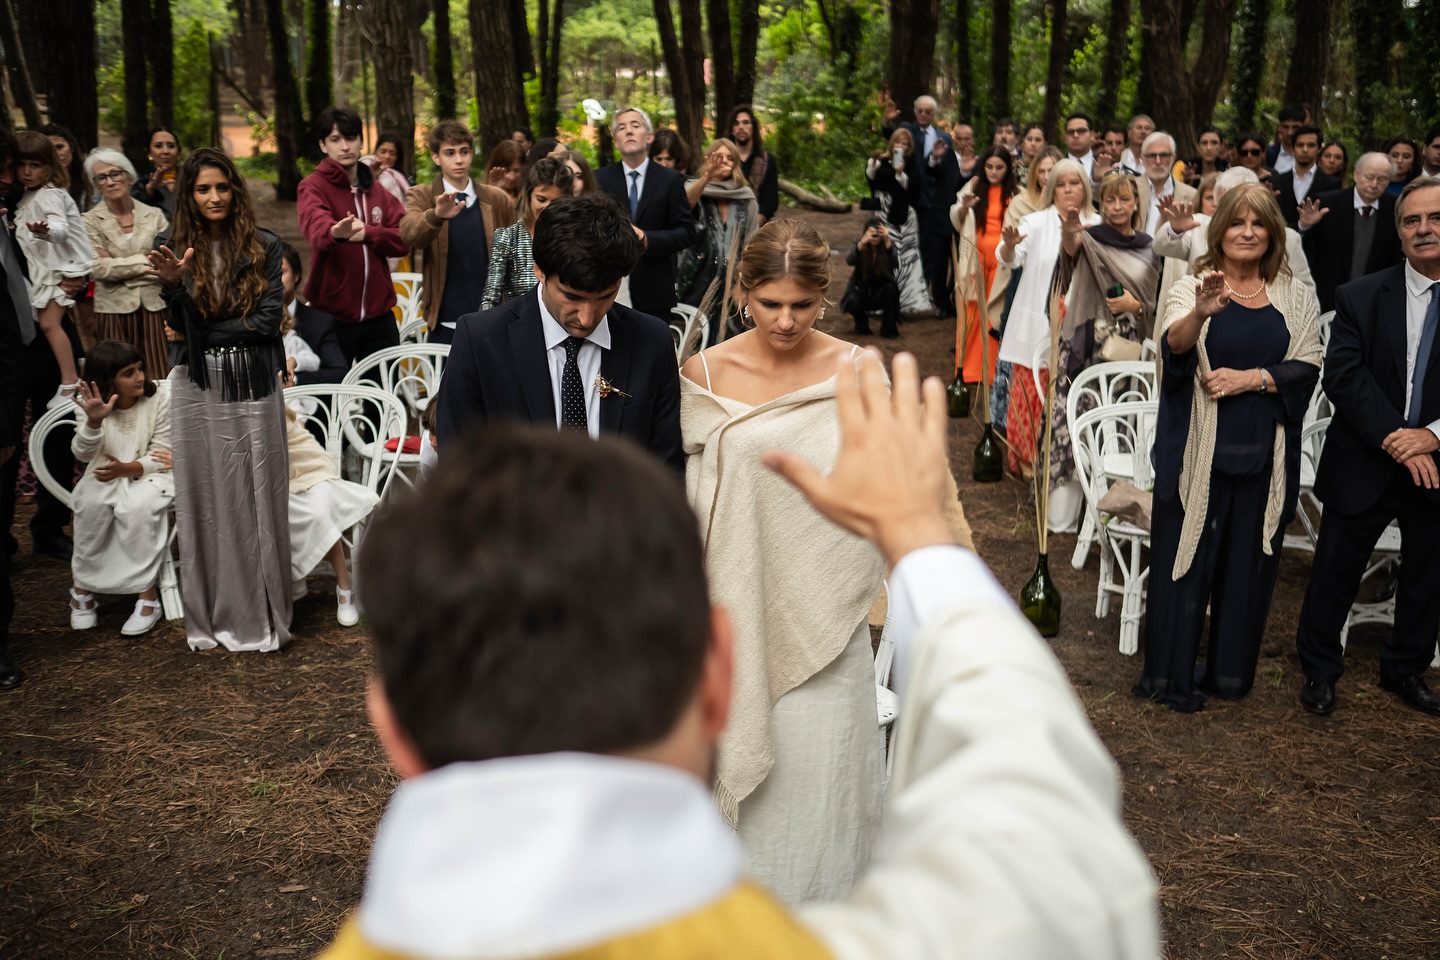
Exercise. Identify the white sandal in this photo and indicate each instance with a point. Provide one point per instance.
(345, 610)
(142, 621)
(82, 610)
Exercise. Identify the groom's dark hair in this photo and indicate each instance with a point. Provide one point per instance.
(587, 242)
(542, 592)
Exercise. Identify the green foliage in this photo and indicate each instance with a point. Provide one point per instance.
(192, 88)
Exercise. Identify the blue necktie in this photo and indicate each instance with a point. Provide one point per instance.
(460, 197)
(634, 192)
(1422, 359)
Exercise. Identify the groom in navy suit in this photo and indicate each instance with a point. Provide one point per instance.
(566, 354)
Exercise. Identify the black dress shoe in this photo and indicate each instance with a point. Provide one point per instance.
(60, 547)
(1318, 697)
(10, 675)
(1412, 690)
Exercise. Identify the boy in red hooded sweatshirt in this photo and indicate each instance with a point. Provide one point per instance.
(351, 226)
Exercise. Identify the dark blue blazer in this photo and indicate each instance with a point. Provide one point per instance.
(317, 328)
(665, 216)
(1365, 381)
(497, 370)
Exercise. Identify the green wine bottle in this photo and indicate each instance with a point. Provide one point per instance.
(958, 398)
(988, 465)
(1040, 600)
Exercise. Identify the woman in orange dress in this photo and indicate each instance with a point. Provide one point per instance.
(978, 217)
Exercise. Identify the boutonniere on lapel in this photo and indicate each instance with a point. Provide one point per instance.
(607, 388)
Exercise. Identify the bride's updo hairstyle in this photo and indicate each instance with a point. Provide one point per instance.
(786, 248)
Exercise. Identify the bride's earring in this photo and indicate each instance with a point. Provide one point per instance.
(745, 311)
(822, 314)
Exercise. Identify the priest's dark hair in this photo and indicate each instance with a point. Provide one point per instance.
(587, 242)
(542, 592)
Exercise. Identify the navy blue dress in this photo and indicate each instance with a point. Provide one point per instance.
(1230, 572)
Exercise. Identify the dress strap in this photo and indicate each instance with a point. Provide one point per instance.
(854, 349)
(706, 365)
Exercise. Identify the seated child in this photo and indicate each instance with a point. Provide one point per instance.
(121, 502)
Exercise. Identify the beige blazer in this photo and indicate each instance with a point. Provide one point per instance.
(121, 284)
(422, 230)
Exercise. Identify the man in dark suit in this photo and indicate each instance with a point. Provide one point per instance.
(1351, 233)
(937, 193)
(568, 355)
(655, 197)
(1382, 373)
(1305, 179)
(1279, 157)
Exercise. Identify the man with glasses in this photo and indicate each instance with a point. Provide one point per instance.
(1079, 139)
(1350, 233)
(1303, 178)
(1158, 184)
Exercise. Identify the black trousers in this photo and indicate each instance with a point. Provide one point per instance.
(1341, 555)
(935, 264)
(861, 297)
(1230, 573)
(358, 340)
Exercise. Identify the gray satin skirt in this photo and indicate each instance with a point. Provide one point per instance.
(232, 518)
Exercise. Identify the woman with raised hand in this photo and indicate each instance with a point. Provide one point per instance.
(512, 264)
(221, 278)
(157, 188)
(895, 180)
(979, 217)
(725, 210)
(1240, 354)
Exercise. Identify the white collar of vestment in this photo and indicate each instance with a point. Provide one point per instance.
(542, 855)
(556, 334)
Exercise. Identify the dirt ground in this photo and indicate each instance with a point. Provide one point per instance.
(163, 803)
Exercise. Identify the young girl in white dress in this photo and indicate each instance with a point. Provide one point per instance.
(121, 502)
(55, 243)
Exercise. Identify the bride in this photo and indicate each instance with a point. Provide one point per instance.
(801, 762)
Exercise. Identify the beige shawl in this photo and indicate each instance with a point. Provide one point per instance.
(309, 463)
(795, 585)
(1298, 305)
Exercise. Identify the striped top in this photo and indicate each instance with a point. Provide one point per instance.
(512, 266)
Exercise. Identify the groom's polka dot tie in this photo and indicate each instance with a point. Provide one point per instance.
(572, 392)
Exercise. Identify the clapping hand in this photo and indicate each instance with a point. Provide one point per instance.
(348, 230)
(1311, 213)
(96, 407)
(1211, 296)
(1180, 214)
(41, 228)
(168, 267)
(447, 206)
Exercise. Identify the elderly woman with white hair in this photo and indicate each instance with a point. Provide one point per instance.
(1034, 243)
(1183, 235)
(128, 305)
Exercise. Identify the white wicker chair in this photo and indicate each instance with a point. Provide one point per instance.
(1113, 443)
(411, 371)
(408, 291)
(66, 417)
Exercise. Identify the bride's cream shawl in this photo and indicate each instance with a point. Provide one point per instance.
(795, 585)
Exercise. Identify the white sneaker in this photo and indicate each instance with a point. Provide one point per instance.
(142, 620)
(345, 610)
(82, 610)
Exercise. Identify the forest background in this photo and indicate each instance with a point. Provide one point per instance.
(817, 70)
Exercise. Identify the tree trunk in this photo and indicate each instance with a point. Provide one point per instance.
(913, 25)
(520, 27)
(722, 62)
(1112, 65)
(687, 81)
(499, 87)
(65, 59)
(19, 73)
(1160, 30)
(392, 24)
(443, 63)
(161, 47)
(1424, 65)
(1310, 57)
(1208, 71)
(250, 41)
(999, 105)
(134, 24)
(319, 72)
(1187, 107)
(287, 102)
(1253, 23)
(749, 24)
(548, 118)
(1372, 28)
(964, 65)
(1055, 67)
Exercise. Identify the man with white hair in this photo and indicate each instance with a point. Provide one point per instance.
(1141, 127)
(1158, 154)
(1349, 233)
(1184, 235)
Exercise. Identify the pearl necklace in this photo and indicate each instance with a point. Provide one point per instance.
(1244, 296)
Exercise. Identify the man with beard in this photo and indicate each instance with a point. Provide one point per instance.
(756, 163)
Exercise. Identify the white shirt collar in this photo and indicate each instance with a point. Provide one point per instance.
(563, 850)
(555, 334)
(1416, 283)
(642, 169)
(1167, 190)
(1361, 204)
(1305, 177)
(469, 189)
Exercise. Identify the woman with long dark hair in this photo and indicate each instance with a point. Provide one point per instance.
(158, 186)
(220, 275)
(68, 149)
(1404, 154)
(978, 216)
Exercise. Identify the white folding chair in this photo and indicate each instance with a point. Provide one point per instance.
(1325, 320)
(1113, 443)
(1103, 385)
(887, 704)
(66, 417)
(408, 290)
(411, 371)
(1307, 508)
